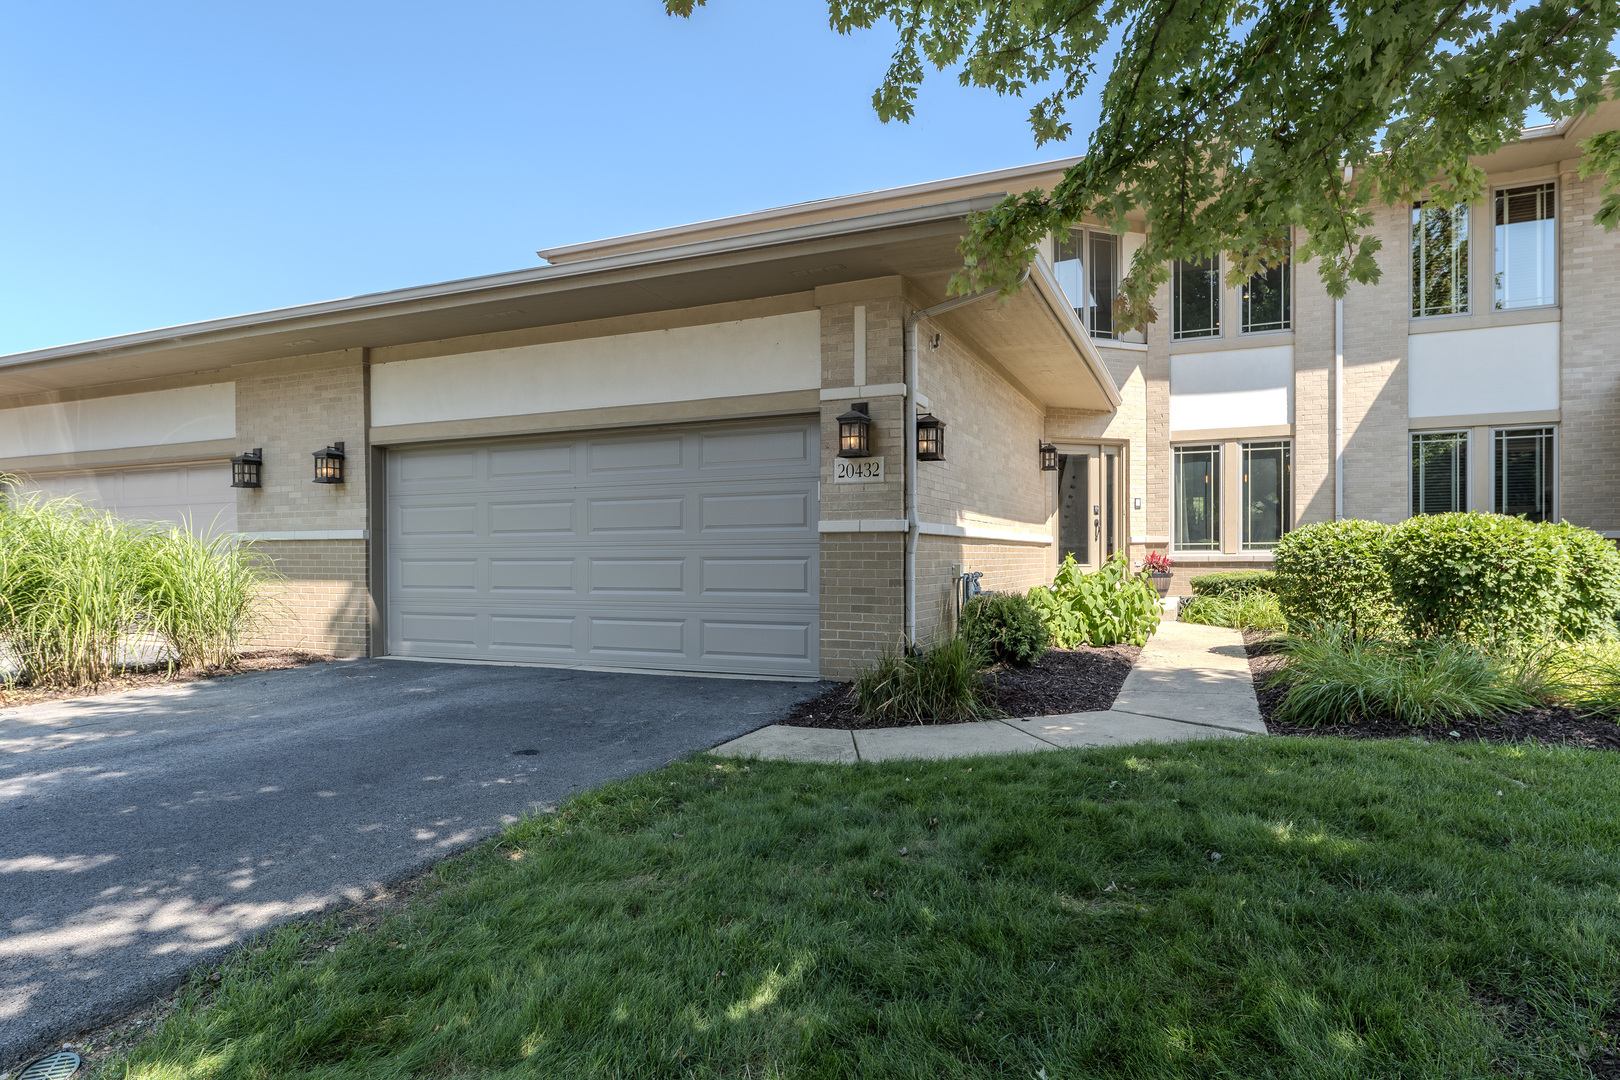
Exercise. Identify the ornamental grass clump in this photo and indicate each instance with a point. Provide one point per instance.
(1334, 676)
(81, 589)
(942, 684)
(1254, 609)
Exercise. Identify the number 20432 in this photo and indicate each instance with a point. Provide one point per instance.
(858, 470)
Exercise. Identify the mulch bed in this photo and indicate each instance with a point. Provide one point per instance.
(1086, 679)
(149, 675)
(1549, 726)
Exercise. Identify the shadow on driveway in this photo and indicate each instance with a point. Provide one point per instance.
(146, 833)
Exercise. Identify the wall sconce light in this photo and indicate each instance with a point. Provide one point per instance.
(930, 438)
(854, 432)
(246, 468)
(329, 464)
(1049, 455)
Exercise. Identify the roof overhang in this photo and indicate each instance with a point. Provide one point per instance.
(1025, 334)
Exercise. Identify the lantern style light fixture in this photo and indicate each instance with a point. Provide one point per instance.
(247, 468)
(855, 432)
(1049, 461)
(930, 438)
(329, 464)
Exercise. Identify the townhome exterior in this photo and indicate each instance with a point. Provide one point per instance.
(632, 457)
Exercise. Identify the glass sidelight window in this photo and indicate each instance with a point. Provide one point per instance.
(1196, 298)
(1439, 472)
(1266, 509)
(1439, 260)
(1523, 481)
(1197, 508)
(1074, 507)
(1526, 247)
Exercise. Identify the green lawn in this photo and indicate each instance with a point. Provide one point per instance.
(1377, 909)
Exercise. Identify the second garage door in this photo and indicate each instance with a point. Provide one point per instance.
(679, 549)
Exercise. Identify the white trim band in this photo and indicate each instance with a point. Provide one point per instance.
(309, 534)
(984, 532)
(841, 393)
(862, 525)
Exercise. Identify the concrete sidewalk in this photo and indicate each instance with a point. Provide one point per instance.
(1191, 682)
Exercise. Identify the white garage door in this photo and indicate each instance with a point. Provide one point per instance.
(684, 549)
(199, 493)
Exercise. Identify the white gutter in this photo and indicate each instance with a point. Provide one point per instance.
(913, 525)
(1338, 409)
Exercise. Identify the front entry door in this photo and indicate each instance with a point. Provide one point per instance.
(1090, 497)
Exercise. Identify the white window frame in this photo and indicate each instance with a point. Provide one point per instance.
(1468, 473)
(1558, 244)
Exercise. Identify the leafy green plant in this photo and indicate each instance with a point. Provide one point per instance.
(1245, 610)
(1107, 607)
(1334, 572)
(942, 684)
(1228, 581)
(1493, 580)
(1004, 627)
(1591, 584)
(1334, 676)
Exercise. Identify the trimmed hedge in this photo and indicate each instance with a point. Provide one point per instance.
(1334, 572)
(1230, 581)
(1004, 627)
(1483, 578)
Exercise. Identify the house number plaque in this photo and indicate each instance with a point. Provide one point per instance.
(858, 470)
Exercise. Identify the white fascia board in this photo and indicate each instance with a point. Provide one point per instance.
(444, 294)
(1058, 304)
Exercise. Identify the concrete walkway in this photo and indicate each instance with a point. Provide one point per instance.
(1191, 682)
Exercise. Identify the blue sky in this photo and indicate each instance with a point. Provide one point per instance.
(169, 162)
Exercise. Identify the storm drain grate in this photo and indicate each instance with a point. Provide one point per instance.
(57, 1066)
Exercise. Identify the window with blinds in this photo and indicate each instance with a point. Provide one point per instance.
(1525, 459)
(1526, 247)
(1266, 487)
(1087, 270)
(1197, 497)
(1439, 472)
(1439, 260)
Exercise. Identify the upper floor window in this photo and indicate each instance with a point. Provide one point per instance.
(1439, 260)
(1087, 268)
(1267, 305)
(1196, 298)
(1526, 247)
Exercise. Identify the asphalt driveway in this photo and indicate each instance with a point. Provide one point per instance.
(146, 833)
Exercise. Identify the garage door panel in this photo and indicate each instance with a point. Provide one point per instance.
(773, 511)
(780, 641)
(537, 577)
(733, 578)
(636, 515)
(754, 449)
(681, 550)
(418, 468)
(437, 520)
(531, 462)
(519, 519)
(646, 454)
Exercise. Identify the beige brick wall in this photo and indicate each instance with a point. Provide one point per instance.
(862, 599)
(1589, 436)
(1313, 397)
(1006, 568)
(1376, 451)
(321, 603)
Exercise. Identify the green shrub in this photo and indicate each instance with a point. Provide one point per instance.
(937, 685)
(1107, 607)
(1004, 627)
(1489, 579)
(1227, 581)
(1334, 572)
(1254, 610)
(1336, 677)
(1591, 584)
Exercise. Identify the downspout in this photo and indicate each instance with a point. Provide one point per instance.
(1338, 409)
(913, 524)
